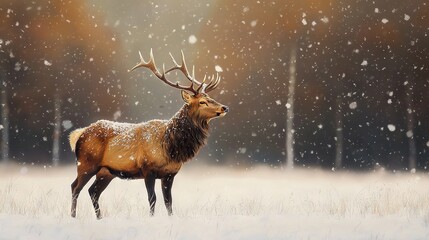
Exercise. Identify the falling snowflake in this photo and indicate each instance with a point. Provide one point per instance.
(304, 22)
(47, 63)
(353, 105)
(67, 124)
(384, 20)
(391, 127)
(364, 63)
(324, 19)
(17, 66)
(117, 115)
(253, 23)
(406, 17)
(192, 39)
(218, 68)
(242, 150)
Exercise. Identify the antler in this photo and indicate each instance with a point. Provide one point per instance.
(202, 86)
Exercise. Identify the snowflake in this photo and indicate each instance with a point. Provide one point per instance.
(192, 39)
(391, 127)
(47, 63)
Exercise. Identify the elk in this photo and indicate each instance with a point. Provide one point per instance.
(151, 150)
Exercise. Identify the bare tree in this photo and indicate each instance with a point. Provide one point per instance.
(290, 110)
(57, 130)
(412, 154)
(339, 126)
(5, 117)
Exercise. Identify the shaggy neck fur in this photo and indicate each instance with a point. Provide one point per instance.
(185, 135)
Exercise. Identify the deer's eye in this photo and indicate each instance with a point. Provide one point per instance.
(202, 103)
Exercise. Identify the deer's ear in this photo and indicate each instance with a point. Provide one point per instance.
(186, 96)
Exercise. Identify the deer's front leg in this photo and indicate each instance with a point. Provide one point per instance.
(150, 187)
(166, 184)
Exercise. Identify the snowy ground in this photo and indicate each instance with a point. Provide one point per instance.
(216, 203)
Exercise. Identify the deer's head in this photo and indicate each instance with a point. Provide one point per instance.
(201, 106)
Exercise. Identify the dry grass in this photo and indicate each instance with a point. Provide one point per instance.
(221, 203)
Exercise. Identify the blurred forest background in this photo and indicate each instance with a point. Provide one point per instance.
(332, 84)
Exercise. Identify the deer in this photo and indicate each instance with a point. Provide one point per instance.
(150, 150)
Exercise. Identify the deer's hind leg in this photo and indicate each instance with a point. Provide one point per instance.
(84, 174)
(103, 178)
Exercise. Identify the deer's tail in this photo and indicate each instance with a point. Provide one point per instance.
(74, 136)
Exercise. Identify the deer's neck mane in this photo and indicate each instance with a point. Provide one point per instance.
(184, 135)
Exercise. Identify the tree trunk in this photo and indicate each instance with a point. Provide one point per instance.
(412, 153)
(290, 110)
(5, 118)
(57, 131)
(339, 128)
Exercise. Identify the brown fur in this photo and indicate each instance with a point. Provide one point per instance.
(183, 137)
(150, 150)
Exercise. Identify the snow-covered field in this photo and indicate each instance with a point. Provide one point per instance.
(219, 203)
